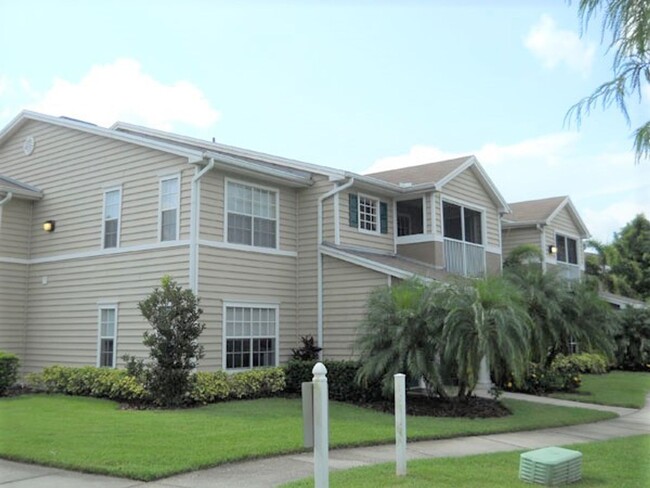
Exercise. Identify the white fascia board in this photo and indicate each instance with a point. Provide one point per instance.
(26, 115)
(370, 264)
(20, 193)
(509, 224)
(235, 151)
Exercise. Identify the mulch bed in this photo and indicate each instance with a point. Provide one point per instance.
(472, 407)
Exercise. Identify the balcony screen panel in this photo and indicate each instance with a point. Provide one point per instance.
(452, 221)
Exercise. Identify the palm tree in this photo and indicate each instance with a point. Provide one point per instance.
(487, 318)
(401, 334)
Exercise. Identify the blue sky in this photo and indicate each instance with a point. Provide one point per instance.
(354, 85)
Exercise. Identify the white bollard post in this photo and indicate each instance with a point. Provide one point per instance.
(321, 427)
(400, 424)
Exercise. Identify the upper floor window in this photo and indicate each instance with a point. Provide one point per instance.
(462, 223)
(250, 336)
(368, 214)
(112, 210)
(410, 217)
(252, 214)
(567, 249)
(169, 205)
(107, 336)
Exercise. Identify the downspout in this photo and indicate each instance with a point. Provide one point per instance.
(6, 199)
(194, 224)
(319, 312)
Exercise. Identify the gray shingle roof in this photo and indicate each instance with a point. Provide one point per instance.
(534, 211)
(423, 173)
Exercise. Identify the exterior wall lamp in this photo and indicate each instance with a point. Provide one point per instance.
(48, 226)
(552, 249)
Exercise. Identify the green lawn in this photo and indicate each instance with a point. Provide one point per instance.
(619, 388)
(615, 463)
(93, 435)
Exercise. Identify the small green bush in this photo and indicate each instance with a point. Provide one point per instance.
(8, 371)
(341, 379)
(209, 387)
(257, 383)
(561, 376)
(113, 384)
(587, 363)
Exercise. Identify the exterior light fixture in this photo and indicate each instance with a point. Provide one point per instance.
(552, 249)
(48, 226)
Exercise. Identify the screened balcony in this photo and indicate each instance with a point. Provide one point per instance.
(463, 240)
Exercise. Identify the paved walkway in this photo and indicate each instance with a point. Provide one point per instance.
(274, 471)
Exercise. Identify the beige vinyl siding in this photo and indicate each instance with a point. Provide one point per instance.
(346, 291)
(13, 288)
(212, 227)
(307, 261)
(15, 217)
(73, 169)
(420, 251)
(493, 263)
(516, 237)
(62, 314)
(240, 276)
(352, 236)
(564, 224)
(466, 187)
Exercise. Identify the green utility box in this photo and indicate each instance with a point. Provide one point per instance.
(550, 466)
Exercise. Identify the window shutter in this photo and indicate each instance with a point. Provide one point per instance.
(354, 210)
(383, 217)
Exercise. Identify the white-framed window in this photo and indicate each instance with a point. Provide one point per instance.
(567, 249)
(462, 223)
(107, 337)
(368, 214)
(252, 215)
(169, 207)
(111, 218)
(250, 336)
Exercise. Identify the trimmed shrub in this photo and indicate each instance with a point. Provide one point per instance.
(8, 371)
(586, 363)
(220, 386)
(633, 340)
(209, 387)
(113, 384)
(341, 380)
(563, 376)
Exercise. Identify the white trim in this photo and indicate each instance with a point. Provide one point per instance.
(115, 308)
(228, 180)
(246, 248)
(460, 203)
(415, 238)
(492, 249)
(104, 302)
(578, 240)
(177, 177)
(434, 230)
(119, 217)
(572, 209)
(337, 220)
(97, 253)
(408, 198)
(370, 264)
(248, 304)
(389, 280)
(377, 200)
(394, 226)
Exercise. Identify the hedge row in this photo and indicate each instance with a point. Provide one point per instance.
(8, 371)
(563, 376)
(118, 385)
(341, 380)
(586, 363)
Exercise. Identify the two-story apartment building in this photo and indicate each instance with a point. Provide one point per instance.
(552, 224)
(91, 219)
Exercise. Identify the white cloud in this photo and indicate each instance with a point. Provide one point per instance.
(554, 46)
(608, 189)
(122, 91)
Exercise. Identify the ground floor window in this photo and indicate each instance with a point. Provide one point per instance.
(250, 336)
(107, 336)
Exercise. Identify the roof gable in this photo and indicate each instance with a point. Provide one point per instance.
(542, 212)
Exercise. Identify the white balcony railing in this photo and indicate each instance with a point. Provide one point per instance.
(569, 271)
(464, 258)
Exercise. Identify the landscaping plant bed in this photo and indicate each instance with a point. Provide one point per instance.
(472, 407)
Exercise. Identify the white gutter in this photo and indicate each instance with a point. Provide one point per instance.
(194, 224)
(6, 199)
(319, 312)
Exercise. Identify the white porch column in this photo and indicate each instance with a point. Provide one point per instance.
(484, 381)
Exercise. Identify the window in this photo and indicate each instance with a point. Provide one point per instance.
(252, 215)
(107, 336)
(250, 336)
(368, 214)
(410, 217)
(462, 223)
(169, 204)
(111, 229)
(567, 249)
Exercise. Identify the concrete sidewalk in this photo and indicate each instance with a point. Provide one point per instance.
(274, 471)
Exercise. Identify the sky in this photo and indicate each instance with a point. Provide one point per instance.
(356, 85)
